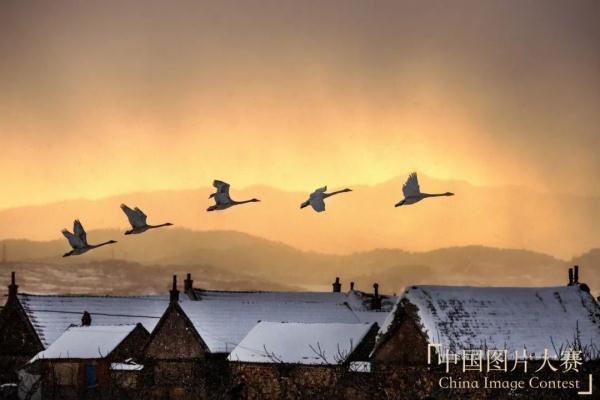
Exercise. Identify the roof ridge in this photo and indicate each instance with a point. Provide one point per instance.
(408, 287)
(74, 295)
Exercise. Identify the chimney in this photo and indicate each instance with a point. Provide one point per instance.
(188, 284)
(351, 285)
(86, 319)
(337, 286)
(174, 293)
(376, 301)
(576, 274)
(570, 277)
(12, 288)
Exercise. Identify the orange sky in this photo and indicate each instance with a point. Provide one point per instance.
(114, 97)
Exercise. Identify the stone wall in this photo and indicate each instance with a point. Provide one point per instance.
(285, 381)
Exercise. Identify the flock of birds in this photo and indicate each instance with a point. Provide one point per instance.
(137, 219)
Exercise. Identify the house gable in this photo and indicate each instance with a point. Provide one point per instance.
(132, 346)
(404, 342)
(17, 334)
(175, 337)
(18, 339)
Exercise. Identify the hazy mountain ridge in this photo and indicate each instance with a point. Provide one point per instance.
(118, 277)
(233, 260)
(507, 217)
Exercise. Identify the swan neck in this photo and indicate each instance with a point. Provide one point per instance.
(433, 194)
(101, 244)
(332, 193)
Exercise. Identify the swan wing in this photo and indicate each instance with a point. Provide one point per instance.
(133, 217)
(222, 187)
(317, 199)
(320, 190)
(74, 241)
(411, 187)
(222, 198)
(317, 203)
(79, 231)
(141, 215)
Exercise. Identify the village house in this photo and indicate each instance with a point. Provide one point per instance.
(542, 322)
(221, 319)
(291, 360)
(228, 344)
(78, 363)
(19, 341)
(175, 356)
(209, 327)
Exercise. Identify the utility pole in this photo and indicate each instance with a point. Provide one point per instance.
(4, 253)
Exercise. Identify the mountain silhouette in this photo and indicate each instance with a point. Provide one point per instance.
(234, 260)
(507, 217)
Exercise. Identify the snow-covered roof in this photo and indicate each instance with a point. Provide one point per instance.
(86, 342)
(222, 318)
(51, 315)
(503, 318)
(300, 343)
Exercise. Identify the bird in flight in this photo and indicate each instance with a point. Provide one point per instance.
(222, 198)
(78, 240)
(317, 198)
(137, 219)
(412, 192)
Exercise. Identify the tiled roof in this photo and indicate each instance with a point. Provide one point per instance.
(51, 315)
(222, 318)
(86, 342)
(514, 319)
(300, 343)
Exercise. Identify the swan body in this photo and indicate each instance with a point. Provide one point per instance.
(137, 219)
(412, 192)
(78, 240)
(222, 198)
(317, 198)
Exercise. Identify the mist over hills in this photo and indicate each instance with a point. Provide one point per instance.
(507, 217)
(234, 260)
(273, 245)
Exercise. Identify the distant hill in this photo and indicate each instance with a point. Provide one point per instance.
(507, 217)
(226, 260)
(118, 277)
